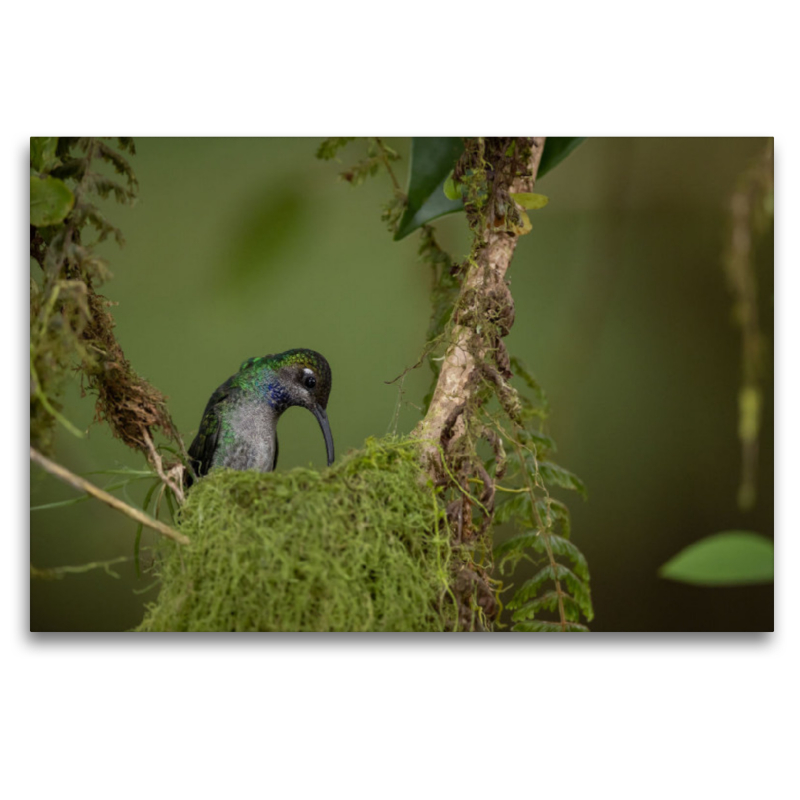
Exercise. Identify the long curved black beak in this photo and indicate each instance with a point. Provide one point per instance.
(322, 418)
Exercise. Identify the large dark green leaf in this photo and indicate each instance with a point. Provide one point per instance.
(432, 160)
(724, 559)
(51, 201)
(556, 149)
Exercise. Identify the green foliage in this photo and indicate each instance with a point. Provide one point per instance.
(556, 149)
(329, 149)
(362, 546)
(432, 160)
(530, 200)
(51, 200)
(70, 324)
(545, 524)
(43, 153)
(558, 476)
(379, 155)
(60, 301)
(433, 191)
(731, 558)
(452, 190)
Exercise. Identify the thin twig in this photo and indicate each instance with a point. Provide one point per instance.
(386, 163)
(155, 460)
(52, 573)
(82, 485)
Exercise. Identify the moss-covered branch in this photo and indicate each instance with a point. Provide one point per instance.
(483, 286)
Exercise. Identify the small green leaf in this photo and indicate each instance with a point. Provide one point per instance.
(556, 149)
(452, 190)
(530, 200)
(51, 201)
(525, 226)
(43, 153)
(432, 160)
(731, 558)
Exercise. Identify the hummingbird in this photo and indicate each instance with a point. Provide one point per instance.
(239, 426)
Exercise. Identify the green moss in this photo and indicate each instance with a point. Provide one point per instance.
(361, 546)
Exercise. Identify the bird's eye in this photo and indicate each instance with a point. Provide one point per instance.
(310, 381)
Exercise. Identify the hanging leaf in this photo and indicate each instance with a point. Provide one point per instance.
(432, 161)
(51, 201)
(731, 558)
(431, 196)
(556, 149)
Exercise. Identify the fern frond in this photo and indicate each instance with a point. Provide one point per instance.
(558, 476)
(331, 146)
(563, 547)
(553, 511)
(549, 602)
(514, 507)
(531, 587)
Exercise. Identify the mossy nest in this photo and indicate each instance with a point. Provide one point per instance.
(359, 547)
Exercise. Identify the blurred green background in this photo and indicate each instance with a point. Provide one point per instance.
(241, 247)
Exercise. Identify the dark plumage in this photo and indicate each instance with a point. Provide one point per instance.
(239, 425)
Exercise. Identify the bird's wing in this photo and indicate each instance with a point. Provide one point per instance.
(204, 445)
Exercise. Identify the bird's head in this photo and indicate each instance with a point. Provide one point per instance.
(295, 378)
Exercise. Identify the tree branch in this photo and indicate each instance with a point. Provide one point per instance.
(462, 360)
(82, 485)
